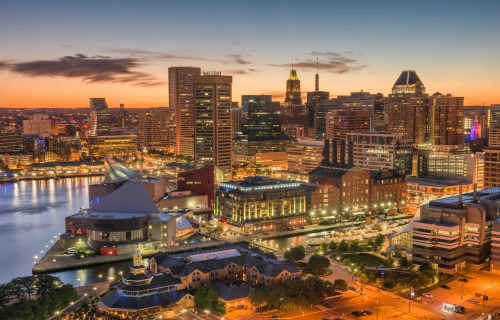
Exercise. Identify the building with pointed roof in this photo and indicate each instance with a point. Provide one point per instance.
(293, 94)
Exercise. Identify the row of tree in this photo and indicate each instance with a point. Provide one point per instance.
(34, 297)
(295, 295)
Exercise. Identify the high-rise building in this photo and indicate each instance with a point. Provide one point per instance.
(406, 108)
(181, 100)
(446, 119)
(122, 116)
(156, 129)
(236, 117)
(100, 117)
(293, 94)
(381, 151)
(262, 121)
(494, 127)
(213, 141)
(303, 157)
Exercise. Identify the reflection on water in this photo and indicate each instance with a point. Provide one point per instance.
(31, 214)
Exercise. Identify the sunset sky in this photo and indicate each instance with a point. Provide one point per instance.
(60, 53)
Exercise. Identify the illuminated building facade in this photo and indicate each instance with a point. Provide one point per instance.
(293, 94)
(381, 151)
(37, 124)
(446, 119)
(213, 133)
(156, 129)
(261, 204)
(117, 146)
(406, 108)
(303, 157)
(100, 117)
(181, 100)
(456, 231)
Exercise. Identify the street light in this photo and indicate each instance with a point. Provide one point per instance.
(378, 302)
(412, 294)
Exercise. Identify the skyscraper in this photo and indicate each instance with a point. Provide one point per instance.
(293, 95)
(406, 108)
(212, 130)
(446, 119)
(156, 129)
(100, 117)
(181, 100)
(262, 121)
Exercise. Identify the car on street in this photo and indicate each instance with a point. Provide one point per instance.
(445, 286)
(428, 295)
(357, 313)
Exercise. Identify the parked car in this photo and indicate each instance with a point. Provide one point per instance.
(428, 295)
(463, 280)
(357, 314)
(445, 286)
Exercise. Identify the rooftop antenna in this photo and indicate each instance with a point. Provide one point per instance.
(316, 80)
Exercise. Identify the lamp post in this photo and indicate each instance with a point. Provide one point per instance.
(378, 302)
(409, 299)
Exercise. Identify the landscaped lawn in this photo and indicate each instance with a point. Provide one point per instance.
(365, 259)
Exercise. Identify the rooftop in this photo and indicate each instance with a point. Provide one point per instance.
(259, 184)
(407, 77)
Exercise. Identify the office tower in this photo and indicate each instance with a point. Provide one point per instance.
(320, 114)
(293, 94)
(456, 231)
(313, 99)
(494, 127)
(10, 140)
(122, 116)
(341, 122)
(446, 119)
(262, 122)
(471, 113)
(181, 100)
(37, 124)
(156, 129)
(381, 151)
(100, 117)
(236, 117)
(303, 157)
(212, 130)
(406, 108)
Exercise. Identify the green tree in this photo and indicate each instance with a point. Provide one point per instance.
(295, 254)
(379, 242)
(23, 287)
(333, 246)
(340, 284)
(318, 265)
(205, 298)
(404, 263)
(354, 246)
(46, 283)
(343, 246)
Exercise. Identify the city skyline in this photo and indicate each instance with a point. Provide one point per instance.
(64, 53)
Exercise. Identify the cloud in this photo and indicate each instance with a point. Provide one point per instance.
(236, 58)
(241, 71)
(89, 69)
(157, 55)
(335, 63)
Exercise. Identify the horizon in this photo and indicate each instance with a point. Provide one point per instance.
(56, 56)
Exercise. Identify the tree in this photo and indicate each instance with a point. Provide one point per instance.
(23, 287)
(354, 246)
(205, 298)
(371, 244)
(379, 242)
(404, 263)
(340, 285)
(343, 246)
(295, 254)
(46, 283)
(318, 265)
(333, 246)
